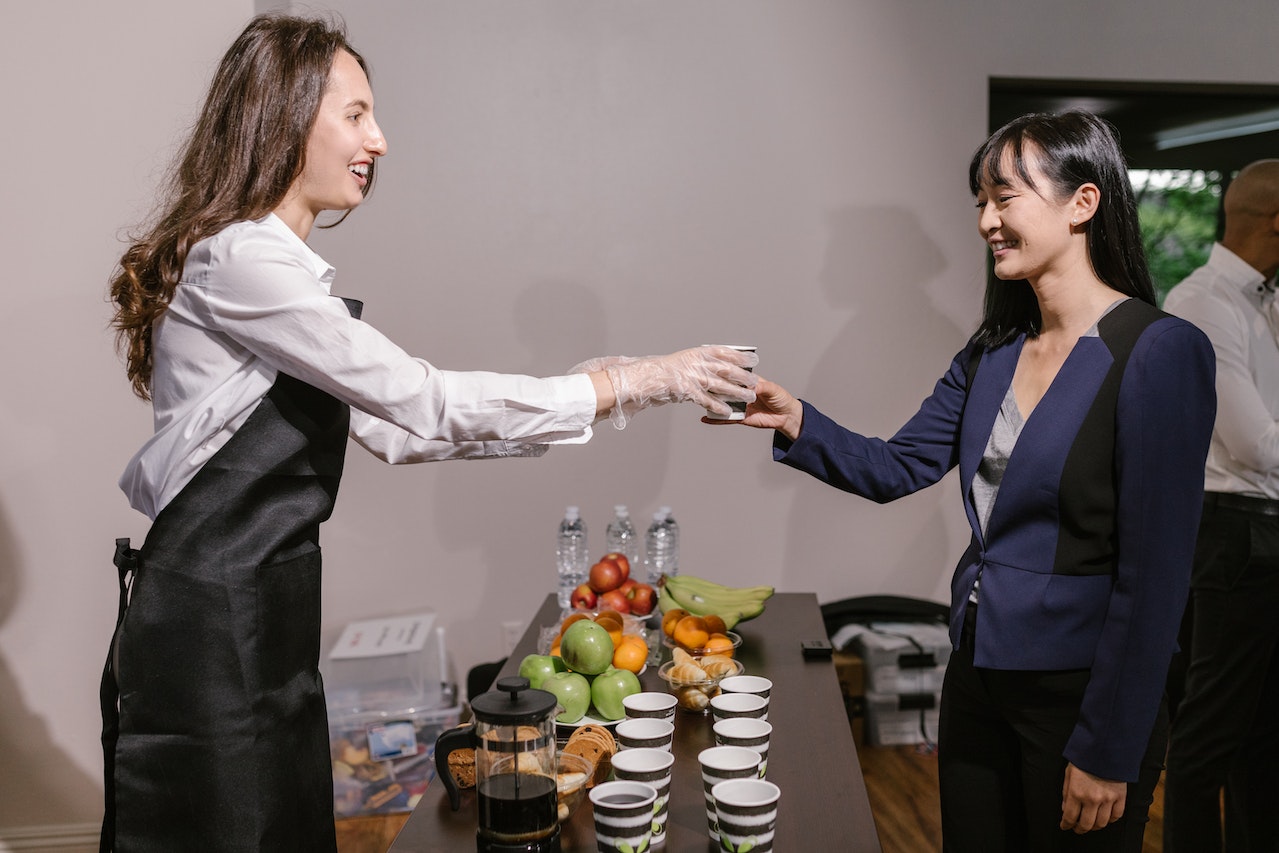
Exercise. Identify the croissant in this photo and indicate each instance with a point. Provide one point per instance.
(716, 668)
(694, 699)
(687, 673)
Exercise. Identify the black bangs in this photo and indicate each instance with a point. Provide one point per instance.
(987, 166)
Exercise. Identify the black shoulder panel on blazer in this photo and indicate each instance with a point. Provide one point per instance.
(1086, 540)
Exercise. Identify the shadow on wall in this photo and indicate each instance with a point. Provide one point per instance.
(40, 784)
(876, 371)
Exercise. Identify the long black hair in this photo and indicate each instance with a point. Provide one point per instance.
(1073, 148)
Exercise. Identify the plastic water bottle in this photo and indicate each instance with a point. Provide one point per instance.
(672, 557)
(657, 549)
(621, 537)
(570, 555)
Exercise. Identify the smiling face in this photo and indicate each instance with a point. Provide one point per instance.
(1030, 235)
(340, 151)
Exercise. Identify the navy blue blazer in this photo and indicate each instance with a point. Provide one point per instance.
(1086, 559)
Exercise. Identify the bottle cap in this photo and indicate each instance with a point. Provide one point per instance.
(571, 513)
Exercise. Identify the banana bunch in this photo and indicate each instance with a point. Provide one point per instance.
(701, 597)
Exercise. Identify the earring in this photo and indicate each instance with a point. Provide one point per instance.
(1074, 222)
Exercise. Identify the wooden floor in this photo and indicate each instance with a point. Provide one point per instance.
(900, 780)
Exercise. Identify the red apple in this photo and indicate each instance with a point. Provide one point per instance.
(642, 599)
(605, 575)
(615, 599)
(622, 563)
(628, 585)
(583, 598)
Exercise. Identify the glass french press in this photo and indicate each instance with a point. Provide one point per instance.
(513, 735)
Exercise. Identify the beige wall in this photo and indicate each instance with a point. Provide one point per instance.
(566, 179)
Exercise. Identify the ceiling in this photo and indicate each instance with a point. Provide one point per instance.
(1142, 111)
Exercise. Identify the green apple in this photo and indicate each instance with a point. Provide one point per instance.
(537, 668)
(609, 689)
(587, 648)
(572, 691)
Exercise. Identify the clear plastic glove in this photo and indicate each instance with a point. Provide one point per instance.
(706, 376)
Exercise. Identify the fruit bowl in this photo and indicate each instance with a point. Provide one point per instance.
(716, 645)
(571, 776)
(694, 688)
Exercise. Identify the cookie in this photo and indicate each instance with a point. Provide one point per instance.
(597, 745)
(462, 766)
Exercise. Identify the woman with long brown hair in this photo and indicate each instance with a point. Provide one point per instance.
(215, 733)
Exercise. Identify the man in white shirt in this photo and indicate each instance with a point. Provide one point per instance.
(1227, 717)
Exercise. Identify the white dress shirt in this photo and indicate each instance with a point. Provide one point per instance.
(254, 300)
(1230, 302)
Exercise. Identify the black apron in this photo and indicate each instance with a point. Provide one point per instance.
(214, 726)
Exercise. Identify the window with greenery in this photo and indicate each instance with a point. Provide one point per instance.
(1178, 214)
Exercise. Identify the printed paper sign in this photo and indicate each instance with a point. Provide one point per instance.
(376, 637)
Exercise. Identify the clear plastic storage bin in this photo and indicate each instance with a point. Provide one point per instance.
(385, 684)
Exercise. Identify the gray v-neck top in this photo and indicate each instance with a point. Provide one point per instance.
(990, 473)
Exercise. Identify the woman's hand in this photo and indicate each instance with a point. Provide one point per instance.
(706, 375)
(1089, 802)
(774, 408)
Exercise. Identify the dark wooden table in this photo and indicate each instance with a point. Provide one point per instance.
(811, 756)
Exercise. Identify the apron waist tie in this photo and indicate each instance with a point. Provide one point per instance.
(126, 562)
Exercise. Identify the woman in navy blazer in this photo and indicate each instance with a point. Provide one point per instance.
(1079, 416)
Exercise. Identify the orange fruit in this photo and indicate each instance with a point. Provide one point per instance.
(670, 617)
(719, 644)
(609, 620)
(555, 649)
(631, 654)
(570, 619)
(691, 633)
(714, 624)
(612, 614)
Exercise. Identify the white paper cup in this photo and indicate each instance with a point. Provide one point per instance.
(645, 733)
(623, 815)
(652, 767)
(728, 705)
(739, 408)
(650, 703)
(749, 732)
(746, 810)
(719, 764)
(756, 685)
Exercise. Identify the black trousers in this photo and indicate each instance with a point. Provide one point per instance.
(1001, 767)
(1227, 725)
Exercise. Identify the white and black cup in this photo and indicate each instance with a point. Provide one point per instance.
(645, 733)
(729, 705)
(719, 764)
(652, 767)
(660, 706)
(738, 412)
(623, 816)
(749, 732)
(756, 685)
(746, 811)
